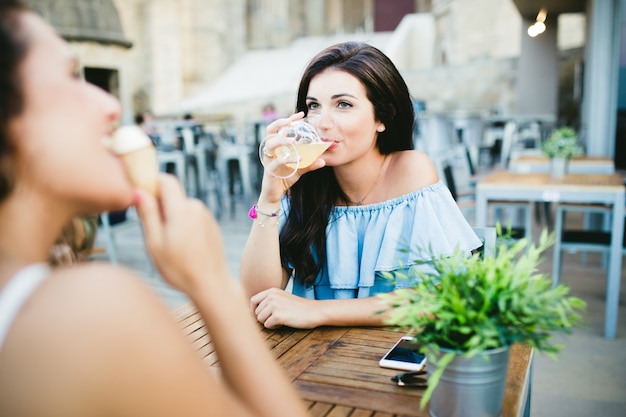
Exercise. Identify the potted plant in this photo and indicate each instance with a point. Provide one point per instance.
(469, 307)
(560, 146)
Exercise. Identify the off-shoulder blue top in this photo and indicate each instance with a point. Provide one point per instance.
(364, 241)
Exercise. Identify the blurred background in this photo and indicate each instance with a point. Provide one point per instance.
(563, 62)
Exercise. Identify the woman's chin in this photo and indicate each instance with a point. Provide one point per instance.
(118, 201)
(124, 201)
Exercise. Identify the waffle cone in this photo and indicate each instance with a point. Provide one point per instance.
(142, 169)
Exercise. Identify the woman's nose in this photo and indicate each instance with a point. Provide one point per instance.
(112, 107)
(108, 102)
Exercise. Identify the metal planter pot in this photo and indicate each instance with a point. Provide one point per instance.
(471, 387)
(558, 167)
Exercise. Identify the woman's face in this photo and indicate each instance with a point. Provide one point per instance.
(59, 135)
(338, 106)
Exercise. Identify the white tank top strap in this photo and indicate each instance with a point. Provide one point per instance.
(16, 292)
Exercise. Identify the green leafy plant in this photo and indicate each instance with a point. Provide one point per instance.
(562, 143)
(469, 304)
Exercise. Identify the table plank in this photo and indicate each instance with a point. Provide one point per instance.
(396, 404)
(303, 355)
(320, 409)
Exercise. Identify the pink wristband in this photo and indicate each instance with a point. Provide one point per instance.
(254, 212)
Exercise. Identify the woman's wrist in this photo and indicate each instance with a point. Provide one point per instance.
(269, 201)
(221, 302)
(200, 287)
(262, 216)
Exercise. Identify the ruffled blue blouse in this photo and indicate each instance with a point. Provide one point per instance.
(364, 241)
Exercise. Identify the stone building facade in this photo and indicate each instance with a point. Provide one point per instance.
(154, 53)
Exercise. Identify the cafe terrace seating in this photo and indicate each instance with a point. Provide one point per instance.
(466, 200)
(488, 236)
(109, 228)
(186, 150)
(234, 163)
(579, 240)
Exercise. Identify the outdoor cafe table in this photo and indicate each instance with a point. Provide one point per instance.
(573, 188)
(336, 372)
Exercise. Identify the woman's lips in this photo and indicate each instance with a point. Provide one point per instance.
(333, 146)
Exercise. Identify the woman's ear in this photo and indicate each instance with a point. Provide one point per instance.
(381, 128)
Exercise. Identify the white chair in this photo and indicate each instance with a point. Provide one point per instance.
(509, 138)
(578, 240)
(466, 201)
(109, 230)
(240, 153)
(177, 158)
(212, 196)
(195, 155)
(488, 236)
(530, 135)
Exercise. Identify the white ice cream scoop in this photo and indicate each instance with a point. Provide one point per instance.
(137, 152)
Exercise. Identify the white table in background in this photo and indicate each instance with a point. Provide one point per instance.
(573, 188)
(578, 165)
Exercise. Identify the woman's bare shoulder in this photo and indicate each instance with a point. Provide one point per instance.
(89, 285)
(114, 297)
(95, 331)
(88, 301)
(411, 171)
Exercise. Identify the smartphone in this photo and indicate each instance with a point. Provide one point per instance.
(404, 355)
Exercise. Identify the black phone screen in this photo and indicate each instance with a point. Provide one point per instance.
(406, 351)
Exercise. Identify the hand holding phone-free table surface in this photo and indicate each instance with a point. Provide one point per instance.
(573, 188)
(336, 372)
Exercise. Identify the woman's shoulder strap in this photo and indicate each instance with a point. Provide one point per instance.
(19, 289)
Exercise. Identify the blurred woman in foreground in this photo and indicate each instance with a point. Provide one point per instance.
(91, 339)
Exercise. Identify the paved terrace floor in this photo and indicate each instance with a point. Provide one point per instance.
(588, 379)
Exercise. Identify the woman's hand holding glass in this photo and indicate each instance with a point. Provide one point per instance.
(294, 147)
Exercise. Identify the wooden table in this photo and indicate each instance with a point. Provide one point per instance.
(336, 370)
(573, 188)
(578, 165)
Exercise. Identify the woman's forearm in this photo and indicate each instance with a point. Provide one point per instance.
(370, 311)
(260, 266)
(246, 362)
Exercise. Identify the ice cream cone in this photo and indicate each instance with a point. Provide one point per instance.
(139, 157)
(141, 168)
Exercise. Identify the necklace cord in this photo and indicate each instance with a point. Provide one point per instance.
(360, 201)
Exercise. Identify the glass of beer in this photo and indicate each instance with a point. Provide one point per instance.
(294, 147)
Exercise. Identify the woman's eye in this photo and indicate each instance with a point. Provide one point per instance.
(312, 106)
(344, 105)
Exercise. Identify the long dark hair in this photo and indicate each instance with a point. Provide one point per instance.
(13, 47)
(303, 237)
